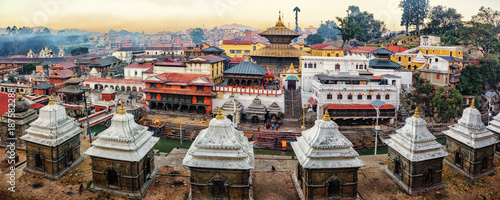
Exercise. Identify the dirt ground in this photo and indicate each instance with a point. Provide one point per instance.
(279, 187)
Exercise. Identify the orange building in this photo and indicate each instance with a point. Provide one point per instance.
(58, 77)
(192, 52)
(180, 92)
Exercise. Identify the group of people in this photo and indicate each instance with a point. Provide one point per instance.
(273, 125)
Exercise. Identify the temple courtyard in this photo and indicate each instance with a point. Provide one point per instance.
(172, 181)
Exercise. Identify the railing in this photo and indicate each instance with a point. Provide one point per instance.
(248, 90)
(363, 88)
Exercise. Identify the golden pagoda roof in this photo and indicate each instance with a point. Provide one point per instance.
(279, 29)
(279, 50)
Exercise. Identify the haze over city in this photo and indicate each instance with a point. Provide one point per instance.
(155, 15)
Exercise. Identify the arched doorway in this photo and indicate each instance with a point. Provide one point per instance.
(134, 89)
(333, 189)
(128, 89)
(147, 168)
(458, 159)
(123, 88)
(291, 82)
(112, 176)
(397, 169)
(69, 156)
(255, 119)
(39, 161)
(428, 177)
(484, 164)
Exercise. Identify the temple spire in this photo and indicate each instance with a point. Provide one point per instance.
(51, 100)
(326, 117)
(416, 115)
(279, 24)
(472, 104)
(122, 109)
(219, 114)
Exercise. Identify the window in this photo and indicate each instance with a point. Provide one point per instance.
(314, 65)
(387, 96)
(301, 48)
(459, 52)
(254, 48)
(328, 54)
(199, 88)
(369, 97)
(426, 51)
(310, 65)
(397, 168)
(458, 159)
(337, 67)
(399, 59)
(337, 55)
(231, 51)
(438, 76)
(135, 73)
(339, 96)
(183, 87)
(357, 66)
(436, 60)
(360, 97)
(433, 51)
(409, 59)
(247, 51)
(329, 96)
(451, 53)
(238, 51)
(393, 82)
(349, 96)
(378, 96)
(200, 99)
(168, 86)
(152, 85)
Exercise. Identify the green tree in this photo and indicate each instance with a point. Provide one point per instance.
(370, 28)
(414, 12)
(197, 35)
(480, 32)
(328, 30)
(448, 104)
(490, 72)
(471, 81)
(11, 79)
(28, 68)
(423, 94)
(443, 19)
(313, 39)
(79, 51)
(348, 28)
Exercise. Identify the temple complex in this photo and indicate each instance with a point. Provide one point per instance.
(21, 117)
(123, 157)
(470, 145)
(246, 74)
(279, 54)
(256, 112)
(52, 142)
(415, 157)
(495, 128)
(328, 165)
(220, 160)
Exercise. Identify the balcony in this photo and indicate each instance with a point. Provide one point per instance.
(362, 88)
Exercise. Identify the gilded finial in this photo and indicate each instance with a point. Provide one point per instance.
(51, 101)
(122, 110)
(219, 114)
(19, 95)
(326, 117)
(416, 115)
(472, 104)
(279, 24)
(291, 66)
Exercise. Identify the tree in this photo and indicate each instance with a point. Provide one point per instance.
(79, 51)
(443, 19)
(313, 39)
(28, 68)
(490, 72)
(471, 81)
(423, 94)
(479, 36)
(296, 10)
(11, 78)
(328, 30)
(488, 16)
(197, 35)
(370, 28)
(348, 28)
(448, 104)
(414, 12)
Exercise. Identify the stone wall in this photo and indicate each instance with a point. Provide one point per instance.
(472, 159)
(315, 182)
(236, 182)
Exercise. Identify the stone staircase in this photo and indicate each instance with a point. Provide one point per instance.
(293, 101)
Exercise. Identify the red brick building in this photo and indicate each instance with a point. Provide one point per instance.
(180, 92)
(58, 77)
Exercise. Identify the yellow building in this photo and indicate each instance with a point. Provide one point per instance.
(410, 61)
(291, 78)
(326, 50)
(239, 47)
(301, 46)
(457, 52)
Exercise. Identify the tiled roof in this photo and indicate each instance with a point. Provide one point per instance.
(237, 42)
(326, 47)
(376, 63)
(450, 59)
(356, 106)
(66, 65)
(36, 106)
(140, 65)
(4, 103)
(390, 76)
(71, 90)
(31, 60)
(212, 50)
(163, 48)
(182, 79)
(279, 50)
(247, 68)
(167, 63)
(131, 49)
(179, 91)
(362, 49)
(382, 51)
(395, 49)
(63, 73)
(105, 61)
(235, 59)
(206, 59)
(42, 86)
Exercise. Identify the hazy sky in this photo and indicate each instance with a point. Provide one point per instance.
(156, 15)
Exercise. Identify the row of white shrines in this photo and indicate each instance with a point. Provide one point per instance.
(221, 158)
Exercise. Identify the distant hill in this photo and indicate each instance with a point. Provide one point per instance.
(237, 26)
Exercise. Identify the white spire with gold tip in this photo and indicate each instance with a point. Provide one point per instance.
(220, 146)
(470, 130)
(323, 146)
(414, 142)
(53, 126)
(123, 140)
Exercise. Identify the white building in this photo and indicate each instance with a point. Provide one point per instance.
(167, 51)
(126, 54)
(429, 40)
(134, 71)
